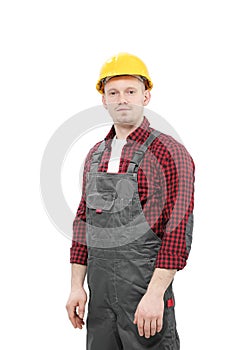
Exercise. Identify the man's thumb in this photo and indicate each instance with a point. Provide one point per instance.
(81, 310)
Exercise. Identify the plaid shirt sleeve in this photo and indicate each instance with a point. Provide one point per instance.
(78, 250)
(177, 215)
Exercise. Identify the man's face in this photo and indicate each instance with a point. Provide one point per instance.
(124, 98)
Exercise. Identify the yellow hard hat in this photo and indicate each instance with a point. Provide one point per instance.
(123, 64)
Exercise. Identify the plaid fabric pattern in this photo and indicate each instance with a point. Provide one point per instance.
(166, 191)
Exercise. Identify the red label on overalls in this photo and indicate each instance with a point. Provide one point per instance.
(98, 211)
(170, 302)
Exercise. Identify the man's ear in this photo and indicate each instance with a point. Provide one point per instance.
(147, 97)
(104, 101)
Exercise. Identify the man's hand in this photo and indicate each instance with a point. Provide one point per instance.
(77, 299)
(149, 314)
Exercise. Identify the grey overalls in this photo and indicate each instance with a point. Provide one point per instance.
(122, 249)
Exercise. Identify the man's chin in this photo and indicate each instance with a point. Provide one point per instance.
(124, 121)
(124, 117)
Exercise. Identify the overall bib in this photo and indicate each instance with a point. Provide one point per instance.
(122, 250)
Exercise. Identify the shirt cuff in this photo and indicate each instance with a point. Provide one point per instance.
(78, 254)
(170, 261)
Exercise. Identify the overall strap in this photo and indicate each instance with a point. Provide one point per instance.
(96, 157)
(139, 154)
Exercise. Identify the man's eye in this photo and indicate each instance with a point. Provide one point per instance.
(112, 93)
(131, 92)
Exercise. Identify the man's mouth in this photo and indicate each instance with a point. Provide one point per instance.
(122, 109)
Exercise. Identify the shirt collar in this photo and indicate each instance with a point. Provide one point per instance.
(140, 133)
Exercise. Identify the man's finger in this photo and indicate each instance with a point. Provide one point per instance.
(159, 324)
(72, 316)
(147, 328)
(79, 322)
(153, 327)
(140, 323)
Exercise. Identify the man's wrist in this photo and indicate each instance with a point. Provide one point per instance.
(78, 276)
(160, 281)
(76, 287)
(155, 290)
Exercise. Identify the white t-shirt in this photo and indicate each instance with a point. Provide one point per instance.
(114, 161)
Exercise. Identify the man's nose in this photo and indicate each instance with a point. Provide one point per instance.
(122, 99)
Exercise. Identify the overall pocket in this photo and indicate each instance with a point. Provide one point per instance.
(99, 217)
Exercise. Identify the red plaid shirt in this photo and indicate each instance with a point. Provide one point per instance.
(166, 191)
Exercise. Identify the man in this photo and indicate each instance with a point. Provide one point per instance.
(133, 227)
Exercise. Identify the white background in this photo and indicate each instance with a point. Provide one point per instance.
(51, 53)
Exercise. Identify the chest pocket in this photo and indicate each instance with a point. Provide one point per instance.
(108, 210)
(100, 209)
